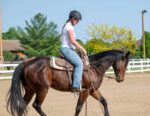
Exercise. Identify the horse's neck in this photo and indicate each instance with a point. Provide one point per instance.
(103, 67)
(101, 64)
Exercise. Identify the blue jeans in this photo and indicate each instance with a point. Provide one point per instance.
(75, 60)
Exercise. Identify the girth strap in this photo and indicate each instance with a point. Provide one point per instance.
(69, 75)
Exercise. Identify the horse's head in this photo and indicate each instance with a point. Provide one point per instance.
(120, 66)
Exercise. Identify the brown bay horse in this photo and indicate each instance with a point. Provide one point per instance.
(36, 76)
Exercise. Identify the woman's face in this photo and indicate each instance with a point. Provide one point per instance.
(74, 21)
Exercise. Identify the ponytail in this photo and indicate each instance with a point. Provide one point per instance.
(64, 25)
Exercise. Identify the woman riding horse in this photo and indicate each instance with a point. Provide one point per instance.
(68, 45)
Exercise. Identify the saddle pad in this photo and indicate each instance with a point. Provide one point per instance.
(62, 64)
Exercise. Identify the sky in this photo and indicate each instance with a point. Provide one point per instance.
(122, 13)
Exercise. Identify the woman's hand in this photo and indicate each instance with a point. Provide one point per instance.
(84, 51)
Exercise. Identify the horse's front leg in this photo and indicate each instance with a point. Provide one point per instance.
(82, 98)
(97, 95)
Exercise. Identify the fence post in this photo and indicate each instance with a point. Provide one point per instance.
(142, 66)
(129, 67)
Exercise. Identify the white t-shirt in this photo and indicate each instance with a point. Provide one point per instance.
(65, 40)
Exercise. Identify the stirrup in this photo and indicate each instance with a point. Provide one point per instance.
(81, 87)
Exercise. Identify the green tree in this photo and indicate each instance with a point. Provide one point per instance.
(147, 44)
(138, 53)
(95, 45)
(12, 33)
(8, 56)
(103, 37)
(39, 37)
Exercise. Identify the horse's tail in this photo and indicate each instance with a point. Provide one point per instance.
(15, 102)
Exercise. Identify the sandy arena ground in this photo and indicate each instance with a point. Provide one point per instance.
(129, 98)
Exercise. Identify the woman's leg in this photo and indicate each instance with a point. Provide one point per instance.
(74, 59)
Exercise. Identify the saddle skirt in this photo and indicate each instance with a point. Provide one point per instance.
(63, 64)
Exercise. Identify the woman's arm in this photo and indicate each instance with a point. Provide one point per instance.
(74, 42)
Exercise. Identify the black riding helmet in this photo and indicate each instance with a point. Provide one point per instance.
(75, 14)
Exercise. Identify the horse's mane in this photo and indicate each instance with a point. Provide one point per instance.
(106, 56)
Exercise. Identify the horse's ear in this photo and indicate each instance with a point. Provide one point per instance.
(127, 54)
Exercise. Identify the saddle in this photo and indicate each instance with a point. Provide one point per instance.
(63, 64)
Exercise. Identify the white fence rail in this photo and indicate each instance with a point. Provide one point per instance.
(135, 65)
(4, 72)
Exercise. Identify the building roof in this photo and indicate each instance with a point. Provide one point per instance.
(12, 45)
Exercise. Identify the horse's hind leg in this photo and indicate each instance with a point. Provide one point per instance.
(40, 96)
(97, 95)
(28, 96)
(82, 98)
